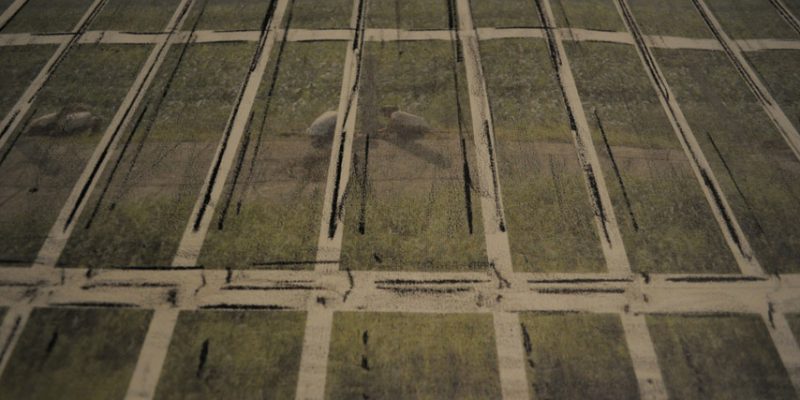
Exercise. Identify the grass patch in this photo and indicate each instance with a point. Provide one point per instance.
(718, 357)
(669, 18)
(233, 355)
(751, 19)
(577, 356)
(601, 15)
(666, 222)
(135, 15)
(140, 208)
(794, 324)
(505, 13)
(777, 69)
(408, 14)
(19, 65)
(40, 168)
(546, 203)
(75, 354)
(272, 212)
(47, 16)
(419, 356)
(330, 14)
(228, 15)
(755, 167)
(411, 206)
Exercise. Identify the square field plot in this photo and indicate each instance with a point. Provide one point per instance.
(413, 199)
(547, 204)
(412, 356)
(80, 354)
(144, 200)
(505, 13)
(666, 222)
(46, 153)
(229, 15)
(778, 70)
(409, 14)
(669, 18)
(47, 16)
(751, 19)
(233, 355)
(756, 169)
(315, 14)
(135, 15)
(270, 211)
(718, 357)
(19, 65)
(577, 356)
(601, 15)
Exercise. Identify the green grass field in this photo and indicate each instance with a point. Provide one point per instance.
(669, 18)
(412, 356)
(135, 15)
(407, 208)
(19, 65)
(80, 354)
(718, 357)
(273, 212)
(228, 15)
(407, 14)
(587, 14)
(753, 163)
(751, 19)
(666, 222)
(329, 14)
(233, 355)
(505, 13)
(777, 71)
(577, 356)
(40, 168)
(545, 198)
(47, 16)
(145, 203)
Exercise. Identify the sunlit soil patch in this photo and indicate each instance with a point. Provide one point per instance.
(143, 201)
(412, 356)
(408, 14)
(271, 208)
(47, 16)
(718, 357)
(547, 205)
(329, 14)
(505, 13)
(751, 19)
(135, 15)
(577, 356)
(19, 65)
(666, 222)
(755, 167)
(413, 198)
(669, 18)
(47, 152)
(80, 354)
(229, 15)
(599, 15)
(233, 355)
(778, 71)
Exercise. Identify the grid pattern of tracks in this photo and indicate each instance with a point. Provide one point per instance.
(500, 290)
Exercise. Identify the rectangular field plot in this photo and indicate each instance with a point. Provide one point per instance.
(408, 14)
(228, 15)
(233, 355)
(778, 70)
(751, 19)
(669, 18)
(577, 356)
(45, 155)
(666, 222)
(134, 15)
(47, 16)
(601, 15)
(80, 354)
(505, 13)
(272, 205)
(547, 205)
(412, 356)
(794, 324)
(412, 198)
(718, 357)
(755, 167)
(314, 14)
(142, 203)
(19, 65)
